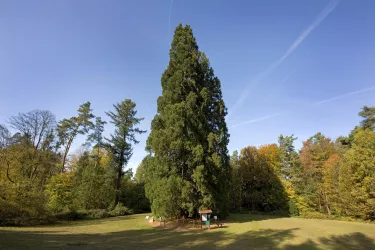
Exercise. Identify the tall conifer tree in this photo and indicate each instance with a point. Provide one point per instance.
(121, 142)
(189, 136)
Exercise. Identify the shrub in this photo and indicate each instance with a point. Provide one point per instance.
(281, 213)
(93, 186)
(25, 221)
(321, 216)
(317, 215)
(120, 210)
(97, 213)
(23, 210)
(60, 192)
(72, 215)
(133, 195)
(293, 209)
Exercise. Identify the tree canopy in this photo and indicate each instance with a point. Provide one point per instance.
(189, 136)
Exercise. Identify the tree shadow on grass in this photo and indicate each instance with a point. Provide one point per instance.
(248, 217)
(349, 241)
(86, 221)
(354, 241)
(89, 222)
(169, 239)
(145, 239)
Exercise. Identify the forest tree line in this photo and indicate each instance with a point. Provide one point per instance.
(187, 166)
(326, 178)
(40, 180)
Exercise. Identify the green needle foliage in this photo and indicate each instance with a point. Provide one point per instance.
(121, 141)
(189, 136)
(368, 115)
(96, 137)
(68, 129)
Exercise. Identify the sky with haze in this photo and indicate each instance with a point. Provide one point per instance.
(288, 66)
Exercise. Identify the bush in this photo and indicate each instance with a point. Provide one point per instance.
(72, 215)
(316, 215)
(97, 213)
(60, 192)
(120, 210)
(25, 221)
(93, 185)
(133, 195)
(23, 212)
(281, 213)
(321, 216)
(293, 209)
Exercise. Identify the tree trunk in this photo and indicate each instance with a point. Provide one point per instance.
(67, 148)
(328, 210)
(98, 158)
(118, 186)
(327, 206)
(119, 175)
(64, 158)
(8, 173)
(320, 204)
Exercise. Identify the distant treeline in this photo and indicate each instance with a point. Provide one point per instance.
(40, 182)
(326, 178)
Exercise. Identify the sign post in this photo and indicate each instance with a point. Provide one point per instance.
(205, 217)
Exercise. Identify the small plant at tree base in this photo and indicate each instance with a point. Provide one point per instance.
(120, 210)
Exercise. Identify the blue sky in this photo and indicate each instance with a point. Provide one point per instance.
(291, 66)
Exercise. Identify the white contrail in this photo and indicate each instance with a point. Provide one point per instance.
(169, 20)
(342, 96)
(286, 78)
(313, 105)
(318, 20)
(256, 120)
(278, 86)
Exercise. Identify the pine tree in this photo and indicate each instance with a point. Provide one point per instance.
(121, 142)
(189, 136)
(96, 137)
(289, 156)
(291, 174)
(68, 129)
(368, 115)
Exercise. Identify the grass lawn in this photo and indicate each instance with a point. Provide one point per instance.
(242, 232)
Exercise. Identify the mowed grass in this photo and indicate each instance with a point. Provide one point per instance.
(241, 232)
